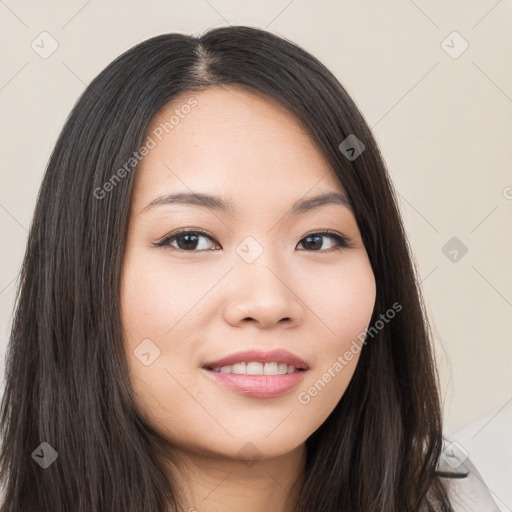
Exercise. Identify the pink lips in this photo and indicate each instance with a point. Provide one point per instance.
(261, 356)
(259, 386)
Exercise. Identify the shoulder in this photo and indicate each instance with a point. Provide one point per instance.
(464, 485)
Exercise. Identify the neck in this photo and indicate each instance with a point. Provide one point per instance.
(212, 483)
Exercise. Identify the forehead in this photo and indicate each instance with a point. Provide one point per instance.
(232, 141)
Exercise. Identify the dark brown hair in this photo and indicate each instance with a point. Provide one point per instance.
(66, 373)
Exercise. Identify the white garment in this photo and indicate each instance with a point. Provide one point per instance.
(487, 441)
(466, 489)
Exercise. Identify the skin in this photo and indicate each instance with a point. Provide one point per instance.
(204, 303)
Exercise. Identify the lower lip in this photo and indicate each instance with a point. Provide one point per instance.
(259, 386)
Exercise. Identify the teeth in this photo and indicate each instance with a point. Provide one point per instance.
(255, 368)
(283, 369)
(238, 368)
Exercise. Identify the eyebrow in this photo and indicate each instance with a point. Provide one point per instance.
(219, 204)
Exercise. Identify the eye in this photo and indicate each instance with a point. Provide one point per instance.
(190, 241)
(187, 240)
(313, 241)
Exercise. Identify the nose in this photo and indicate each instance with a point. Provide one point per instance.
(263, 295)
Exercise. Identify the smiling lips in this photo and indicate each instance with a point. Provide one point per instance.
(259, 362)
(258, 373)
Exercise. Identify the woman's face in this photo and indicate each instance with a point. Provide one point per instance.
(260, 281)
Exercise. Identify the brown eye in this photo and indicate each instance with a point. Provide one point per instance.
(187, 240)
(197, 241)
(315, 241)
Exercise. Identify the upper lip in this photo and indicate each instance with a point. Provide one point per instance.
(261, 356)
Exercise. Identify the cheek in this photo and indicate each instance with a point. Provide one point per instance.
(343, 303)
(154, 305)
(342, 300)
(154, 298)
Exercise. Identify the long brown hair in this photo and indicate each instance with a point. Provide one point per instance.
(66, 374)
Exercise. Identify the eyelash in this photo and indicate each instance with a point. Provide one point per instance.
(342, 241)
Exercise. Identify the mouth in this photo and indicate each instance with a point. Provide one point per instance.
(258, 362)
(258, 373)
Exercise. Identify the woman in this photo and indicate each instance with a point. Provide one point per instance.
(217, 307)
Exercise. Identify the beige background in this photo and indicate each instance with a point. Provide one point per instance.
(443, 121)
